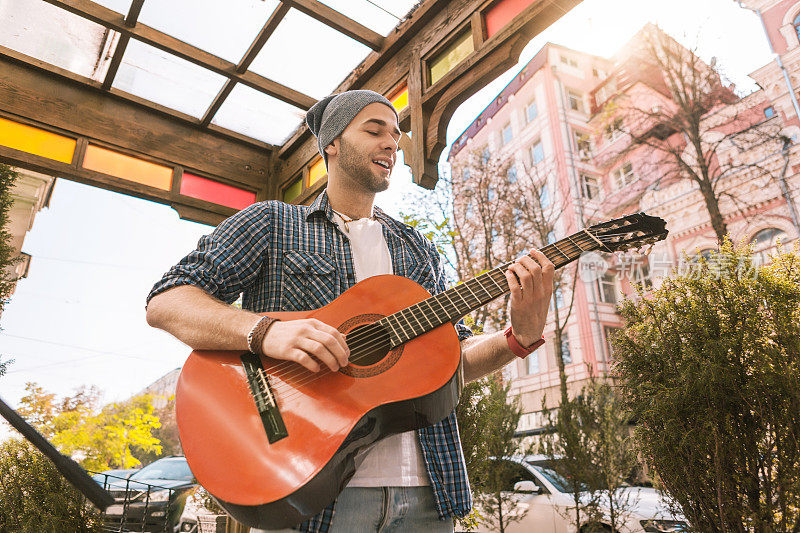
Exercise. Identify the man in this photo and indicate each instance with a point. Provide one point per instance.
(283, 257)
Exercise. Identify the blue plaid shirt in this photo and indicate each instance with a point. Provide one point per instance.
(284, 257)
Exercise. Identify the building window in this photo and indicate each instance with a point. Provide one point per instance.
(485, 155)
(516, 214)
(623, 175)
(566, 355)
(607, 288)
(544, 196)
(764, 243)
(769, 112)
(532, 363)
(537, 153)
(465, 175)
(642, 276)
(575, 100)
(598, 72)
(558, 297)
(507, 134)
(531, 111)
(511, 173)
(490, 194)
(609, 332)
(583, 145)
(796, 25)
(569, 61)
(551, 237)
(613, 130)
(590, 187)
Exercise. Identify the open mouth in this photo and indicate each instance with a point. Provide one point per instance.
(385, 165)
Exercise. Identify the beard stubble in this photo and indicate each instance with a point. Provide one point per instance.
(357, 165)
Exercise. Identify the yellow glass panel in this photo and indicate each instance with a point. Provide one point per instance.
(451, 56)
(293, 191)
(400, 100)
(316, 171)
(127, 167)
(36, 141)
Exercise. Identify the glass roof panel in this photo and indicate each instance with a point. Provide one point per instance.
(52, 35)
(294, 56)
(378, 15)
(225, 29)
(168, 80)
(258, 115)
(120, 6)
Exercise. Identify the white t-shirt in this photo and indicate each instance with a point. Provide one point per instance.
(395, 461)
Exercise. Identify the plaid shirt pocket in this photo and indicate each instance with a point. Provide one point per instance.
(309, 280)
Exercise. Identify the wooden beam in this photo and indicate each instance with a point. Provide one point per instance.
(258, 43)
(113, 20)
(337, 21)
(68, 107)
(90, 84)
(430, 108)
(266, 32)
(122, 43)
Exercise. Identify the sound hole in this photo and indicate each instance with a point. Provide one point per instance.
(368, 344)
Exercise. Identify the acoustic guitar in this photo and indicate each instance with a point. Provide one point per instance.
(275, 443)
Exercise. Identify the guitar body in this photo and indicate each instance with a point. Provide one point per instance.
(329, 416)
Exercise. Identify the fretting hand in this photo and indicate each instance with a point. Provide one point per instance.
(531, 283)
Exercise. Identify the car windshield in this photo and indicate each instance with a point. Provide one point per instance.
(176, 469)
(555, 479)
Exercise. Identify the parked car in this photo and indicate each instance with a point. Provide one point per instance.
(152, 499)
(106, 477)
(543, 495)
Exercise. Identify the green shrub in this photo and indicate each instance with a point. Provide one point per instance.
(35, 498)
(710, 367)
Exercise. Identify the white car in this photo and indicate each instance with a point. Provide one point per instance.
(544, 497)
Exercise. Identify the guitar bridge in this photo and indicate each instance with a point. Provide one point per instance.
(264, 398)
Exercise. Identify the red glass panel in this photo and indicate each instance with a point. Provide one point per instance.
(501, 14)
(215, 192)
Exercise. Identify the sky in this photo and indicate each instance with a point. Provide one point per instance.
(79, 319)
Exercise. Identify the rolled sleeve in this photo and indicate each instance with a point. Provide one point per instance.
(228, 260)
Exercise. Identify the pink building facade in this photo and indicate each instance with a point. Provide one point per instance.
(552, 111)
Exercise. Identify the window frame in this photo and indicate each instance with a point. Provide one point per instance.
(575, 96)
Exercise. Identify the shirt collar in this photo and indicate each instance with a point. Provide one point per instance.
(322, 205)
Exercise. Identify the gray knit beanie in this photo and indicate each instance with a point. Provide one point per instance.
(328, 118)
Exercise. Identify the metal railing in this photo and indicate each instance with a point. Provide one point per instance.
(138, 506)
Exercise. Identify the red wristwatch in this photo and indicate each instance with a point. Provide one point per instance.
(519, 350)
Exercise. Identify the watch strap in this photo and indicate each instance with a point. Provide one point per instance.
(519, 350)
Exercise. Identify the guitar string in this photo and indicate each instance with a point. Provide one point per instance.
(294, 388)
(362, 350)
(382, 333)
(362, 337)
(312, 376)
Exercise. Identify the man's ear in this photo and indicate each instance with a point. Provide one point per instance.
(333, 148)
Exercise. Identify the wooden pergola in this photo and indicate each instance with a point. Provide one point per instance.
(97, 130)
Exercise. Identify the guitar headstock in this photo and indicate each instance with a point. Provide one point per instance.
(630, 231)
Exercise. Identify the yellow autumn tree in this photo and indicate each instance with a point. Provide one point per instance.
(98, 438)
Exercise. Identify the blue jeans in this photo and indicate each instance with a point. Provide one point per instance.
(386, 510)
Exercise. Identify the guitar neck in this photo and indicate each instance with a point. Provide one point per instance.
(453, 304)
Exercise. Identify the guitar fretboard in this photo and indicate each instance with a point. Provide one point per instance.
(454, 303)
